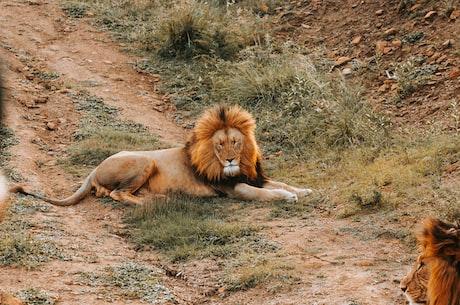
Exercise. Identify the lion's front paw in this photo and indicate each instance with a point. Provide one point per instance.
(304, 192)
(285, 195)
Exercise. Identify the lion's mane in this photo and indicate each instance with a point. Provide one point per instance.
(199, 146)
(441, 244)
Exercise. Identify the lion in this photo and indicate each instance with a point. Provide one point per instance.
(220, 158)
(440, 242)
(414, 284)
(435, 277)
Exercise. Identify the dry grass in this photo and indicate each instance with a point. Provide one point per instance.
(250, 271)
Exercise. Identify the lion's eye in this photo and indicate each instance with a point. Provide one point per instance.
(420, 266)
(220, 146)
(235, 144)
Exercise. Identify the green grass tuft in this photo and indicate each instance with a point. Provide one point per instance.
(129, 280)
(38, 297)
(20, 248)
(186, 227)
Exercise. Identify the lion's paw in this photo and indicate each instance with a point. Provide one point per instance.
(286, 195)
(304, 192)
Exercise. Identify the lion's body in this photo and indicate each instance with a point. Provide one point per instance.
(221, 157)
(414, 284)
(148, 172)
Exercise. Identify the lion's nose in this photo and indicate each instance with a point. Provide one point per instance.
(403, 288)
(230, 160)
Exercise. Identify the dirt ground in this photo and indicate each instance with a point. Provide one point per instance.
(334, 266)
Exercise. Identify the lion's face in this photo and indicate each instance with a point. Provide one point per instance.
(228, 145)
(222, 144)
(415, 283)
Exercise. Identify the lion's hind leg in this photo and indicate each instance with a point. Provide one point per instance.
(126, 197)
(121, 176)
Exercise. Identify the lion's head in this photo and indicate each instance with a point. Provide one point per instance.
(222, 145)
(440, 242)
(414, 284)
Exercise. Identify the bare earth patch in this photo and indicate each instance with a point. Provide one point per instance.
(351, 261)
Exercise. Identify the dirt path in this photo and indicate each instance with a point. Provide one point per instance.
(38, 38)
(334, 265)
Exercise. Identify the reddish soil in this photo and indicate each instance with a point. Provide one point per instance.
(338, 261)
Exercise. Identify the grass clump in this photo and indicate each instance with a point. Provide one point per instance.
(298, 106)
(410, 75)
(20, 248)
(76, 10)
(128, 281)
(38, 297)
(186, 227)
(408, 176)
(254, 271)
(172, 29)
(200, 29)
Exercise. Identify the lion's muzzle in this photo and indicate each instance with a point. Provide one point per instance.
(231, 168)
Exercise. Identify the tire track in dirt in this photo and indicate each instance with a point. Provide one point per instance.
(38, 38)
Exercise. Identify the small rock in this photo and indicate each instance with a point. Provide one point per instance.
(454, 15)
(390, 31)
(415, 6)
(379, 12)
(429, 15)
(436, 55)
(396, 43)
(441, 59)
(447, 44)
(52, 125)
(341, 60)
(454, 74)
(221, 290)
(429, 52)
(347, 71)
(332, 54)
(381, 46)
(383, 88)
(356, 40)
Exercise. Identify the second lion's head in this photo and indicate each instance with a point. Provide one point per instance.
(222, 144)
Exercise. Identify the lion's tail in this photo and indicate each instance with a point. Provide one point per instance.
(81, 193)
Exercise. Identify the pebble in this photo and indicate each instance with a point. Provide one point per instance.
(341, 60)
(347, 71)
(356, 40)
(454, 15)
(429, 14)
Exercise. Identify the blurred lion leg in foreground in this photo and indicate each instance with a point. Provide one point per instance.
(3, 183)
(5, 298)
